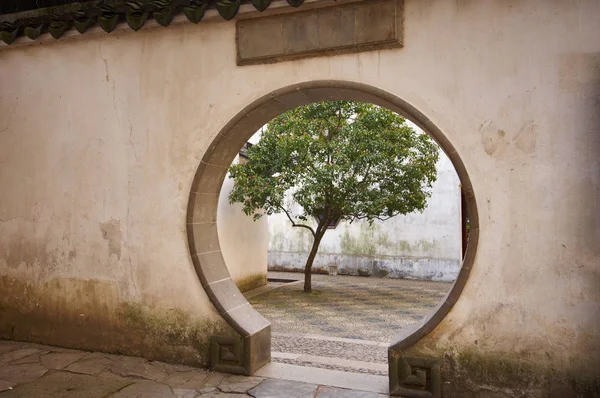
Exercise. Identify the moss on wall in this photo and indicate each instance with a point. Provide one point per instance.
(370, 241)
(277, 241)
(373, 240)
(87, 315)
(363, 245)
(303, 240)
(475, 373)
(251, 282)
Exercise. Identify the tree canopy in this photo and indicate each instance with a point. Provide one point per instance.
(344, 160)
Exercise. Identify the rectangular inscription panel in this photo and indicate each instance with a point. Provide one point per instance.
(362, 26)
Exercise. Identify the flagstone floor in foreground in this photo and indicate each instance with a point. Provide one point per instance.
(347, 322)
(37, 371)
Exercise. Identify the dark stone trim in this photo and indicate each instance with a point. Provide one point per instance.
(108, 13)
(16, 6)
(345, 28)
(254, 330)
(226, 355)
(415, 377)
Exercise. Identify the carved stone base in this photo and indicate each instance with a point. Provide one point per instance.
(241, 356)
(226, 355)
(414, 377)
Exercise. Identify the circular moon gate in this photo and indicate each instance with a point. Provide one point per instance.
(254, 349)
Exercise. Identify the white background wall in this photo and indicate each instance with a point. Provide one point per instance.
(418, 245)
(244, 242)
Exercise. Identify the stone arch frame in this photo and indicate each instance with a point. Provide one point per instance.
(254, 349)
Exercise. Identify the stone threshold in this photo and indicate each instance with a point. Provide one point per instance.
(325, 377)
(346, 363)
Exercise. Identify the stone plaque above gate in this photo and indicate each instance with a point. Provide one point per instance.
(361, 26)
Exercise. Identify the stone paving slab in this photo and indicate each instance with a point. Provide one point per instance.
(284, 388)
(6, 385)
(6, 346)
(89, 365)
(145, 389)
(334, 392)
(60, 360)
(19, 353)
(22, 373)
(185, 393)
(189, 380)
(239, 383)
(52, 372)
(67, 385)
(137, 367)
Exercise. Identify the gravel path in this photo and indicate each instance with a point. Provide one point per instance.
(352, 369)
(331, 349)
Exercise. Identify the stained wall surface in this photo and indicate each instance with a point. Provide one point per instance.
(244, 242)
(100, 138)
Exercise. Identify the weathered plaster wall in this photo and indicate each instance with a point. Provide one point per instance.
(96, 165)
(418, 245)
(244, 242)
(101, 136)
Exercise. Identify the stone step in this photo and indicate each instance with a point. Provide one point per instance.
(326, 377)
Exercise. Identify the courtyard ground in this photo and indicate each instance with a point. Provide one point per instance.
(38, 371)
(338, 335)
(347, 322)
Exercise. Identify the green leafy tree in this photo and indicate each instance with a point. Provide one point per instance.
(338, 160)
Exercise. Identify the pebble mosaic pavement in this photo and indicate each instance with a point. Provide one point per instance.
(344, 317)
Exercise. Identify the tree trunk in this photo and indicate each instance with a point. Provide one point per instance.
(311, 258)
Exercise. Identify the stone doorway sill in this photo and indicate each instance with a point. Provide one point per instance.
(326, 377)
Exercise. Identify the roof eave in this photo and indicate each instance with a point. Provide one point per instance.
(108, 13)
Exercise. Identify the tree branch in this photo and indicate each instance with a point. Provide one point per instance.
(365, 216)
(312, 231)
